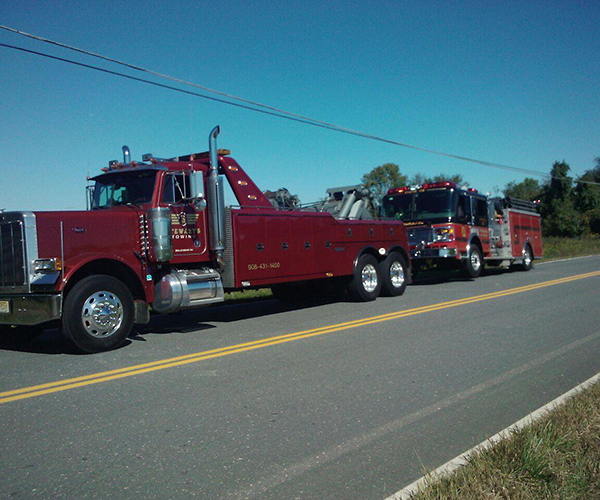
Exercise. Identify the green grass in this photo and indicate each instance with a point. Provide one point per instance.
(248, 295)
(556, 458)
(562, 248)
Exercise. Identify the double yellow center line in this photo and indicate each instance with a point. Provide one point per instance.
(130, 371)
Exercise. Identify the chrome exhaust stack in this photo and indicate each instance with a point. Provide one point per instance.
(126, 155)
(216, 200)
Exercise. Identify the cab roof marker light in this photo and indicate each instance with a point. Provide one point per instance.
(398, 190)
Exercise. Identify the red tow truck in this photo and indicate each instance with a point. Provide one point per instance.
(453, 227)
(157, 236)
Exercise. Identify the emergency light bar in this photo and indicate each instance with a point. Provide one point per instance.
(427, 185)
(431, 185)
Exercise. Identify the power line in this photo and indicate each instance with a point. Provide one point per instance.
(249, 104)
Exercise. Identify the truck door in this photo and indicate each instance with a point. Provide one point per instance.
(463, 217)
(188, 225)
(480, 221)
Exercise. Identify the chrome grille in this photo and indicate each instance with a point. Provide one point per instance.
(13, 263)
(417, 235)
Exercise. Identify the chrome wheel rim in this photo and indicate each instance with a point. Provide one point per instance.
(475, 261)
(102, 314)
(397, 274)
(527, 257)
(369, 277)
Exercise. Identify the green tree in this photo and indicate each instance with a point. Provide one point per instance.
(456, 178)
(420, 178)
(529, 189)
(382, 178)
(587, 197)
(559, 215)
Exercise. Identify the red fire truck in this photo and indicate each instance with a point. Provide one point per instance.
(157, 233)
(453, 227)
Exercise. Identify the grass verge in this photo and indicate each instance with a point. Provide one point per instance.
(248, 295)
(558, 457)
(563, 248)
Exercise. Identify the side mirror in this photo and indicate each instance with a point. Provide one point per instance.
(197, 198)
(199, 203)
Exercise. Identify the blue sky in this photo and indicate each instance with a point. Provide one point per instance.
(508, 82)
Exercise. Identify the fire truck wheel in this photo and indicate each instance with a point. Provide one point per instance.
(473, 265)
(527, 259)
(393, 275)
(98, 314)
(366, 281)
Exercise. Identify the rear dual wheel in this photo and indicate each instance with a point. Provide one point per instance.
(527, 259)
(366, 280)
(393, 275)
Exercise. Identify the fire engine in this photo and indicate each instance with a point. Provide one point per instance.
(158, 236)
(453, 227)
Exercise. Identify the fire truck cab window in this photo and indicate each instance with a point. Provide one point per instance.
(433, 204)
(176, 187)
(480, 212)
(397, 207)
(463, 210)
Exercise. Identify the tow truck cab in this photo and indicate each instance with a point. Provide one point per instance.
(157, 234)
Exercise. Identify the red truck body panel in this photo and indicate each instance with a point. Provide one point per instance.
(91, 236)
(276, 246)
(525, 228)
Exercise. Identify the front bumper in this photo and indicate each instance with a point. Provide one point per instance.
(433, 253)
(29, 309)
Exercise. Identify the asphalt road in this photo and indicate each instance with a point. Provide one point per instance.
(351, 406)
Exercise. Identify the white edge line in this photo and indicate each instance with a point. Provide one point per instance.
(407, 492)
(564, 260)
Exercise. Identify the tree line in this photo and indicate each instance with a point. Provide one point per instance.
(568, 207)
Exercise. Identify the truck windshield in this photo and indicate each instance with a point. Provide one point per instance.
(432, 206)
(124, 188)
(398, 207)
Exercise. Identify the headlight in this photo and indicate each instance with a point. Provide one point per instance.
(445, 233)
(47, 265)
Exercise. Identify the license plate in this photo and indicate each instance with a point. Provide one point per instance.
(4, 307)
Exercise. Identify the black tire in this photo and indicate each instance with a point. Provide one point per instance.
(473, 265)
(366, 280)
(98, 314)
(394, 275)
(527, 264)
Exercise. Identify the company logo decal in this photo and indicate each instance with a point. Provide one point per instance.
(184, 226)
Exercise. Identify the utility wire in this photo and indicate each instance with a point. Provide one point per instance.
(250, 105)
(156, 84)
